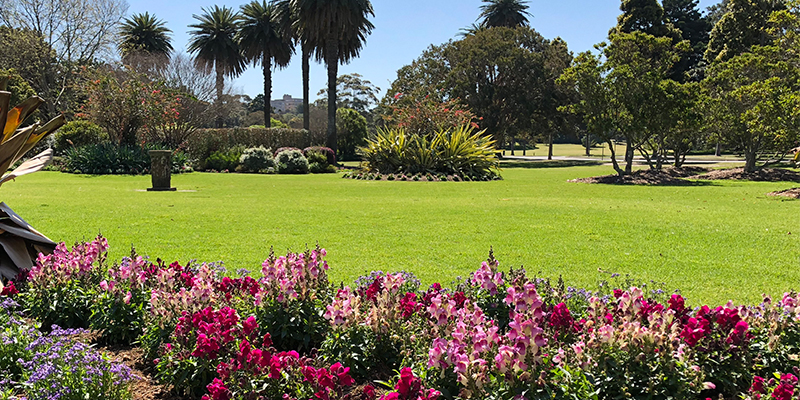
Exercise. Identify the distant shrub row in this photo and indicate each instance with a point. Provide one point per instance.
(206, 142)
(285, 160)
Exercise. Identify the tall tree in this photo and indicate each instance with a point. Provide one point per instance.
(507, 13)
(287, 18)
(144, 33)
(214, 42)
(640, 16)
(354, 92)
(744, 24)
(337, 31)
(686, 16)
(500, 75)
(638, 63)
(262, 41)
(588, 79)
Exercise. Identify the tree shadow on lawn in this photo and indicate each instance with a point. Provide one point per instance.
(549, 164)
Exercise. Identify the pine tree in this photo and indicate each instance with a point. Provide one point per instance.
(685, 16)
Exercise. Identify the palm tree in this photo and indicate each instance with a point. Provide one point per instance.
(508, 13)
(261, 40)
(143, 32)
(214, 42)
(287, 19)
(336, 30)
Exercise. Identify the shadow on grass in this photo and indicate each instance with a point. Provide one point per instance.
(549, 164)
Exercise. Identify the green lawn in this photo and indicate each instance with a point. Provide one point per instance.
(717, 241)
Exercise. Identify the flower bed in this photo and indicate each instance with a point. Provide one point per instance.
(291, 334)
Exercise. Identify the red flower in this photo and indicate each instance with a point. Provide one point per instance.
(343, 374)
(758, 385)
(408, 386)
(218, 391)
(694, 331)
(249, 325)
(9, 290)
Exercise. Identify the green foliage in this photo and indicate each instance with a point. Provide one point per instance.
(754, 103)
(299, 326)
(256, 159)
(318, 163)
(145, 33)
(504, 13)
(223, 160)
(17, 85)
(206, 141)
(68, 305)
(119, 321)
(744, 24)
(352, 92)
(79, 133)
(291, 162)
(107, 158)
(460, 151)
(352, 133)
(686, 16)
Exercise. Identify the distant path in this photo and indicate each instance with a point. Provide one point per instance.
(638, 160)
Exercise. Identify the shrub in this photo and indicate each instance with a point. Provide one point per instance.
(256, 159)
(330, 156)
(80, 133)
(291, 162)
(107, 158)
(455, 151)
(285, 149)
(318, 163)
(352, 128)
(206, 141)
(224, 159)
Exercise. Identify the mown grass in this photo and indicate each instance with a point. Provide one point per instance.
(715, 241)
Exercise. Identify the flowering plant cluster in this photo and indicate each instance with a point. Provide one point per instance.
(499, 334)
(54, 365)
(426, 115)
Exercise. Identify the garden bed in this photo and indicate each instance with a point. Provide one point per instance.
(665, 177)
(370, 176)
(791, 193)
(762, 175)
(294, 334)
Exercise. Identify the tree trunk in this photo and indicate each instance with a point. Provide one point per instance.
(614, 162)
(750, 159)
(332, 59)
(718, 151)
(628, 157)
(550, 146)
(588, 153)
(267, 64)
(513, 145)
(220, 83)
(306, 73)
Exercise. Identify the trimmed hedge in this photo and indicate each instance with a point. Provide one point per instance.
(207, 141)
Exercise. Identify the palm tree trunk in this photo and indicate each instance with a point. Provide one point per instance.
(550, 146)
(306, 73)
(267, 64)
(332, 59)
(220, 84)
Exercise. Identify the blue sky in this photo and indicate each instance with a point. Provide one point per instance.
(403, 29)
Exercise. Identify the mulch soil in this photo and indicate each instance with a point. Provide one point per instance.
(146, 388)
(790, 193)
(685, 176)
(763, 175)
(665, 177)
